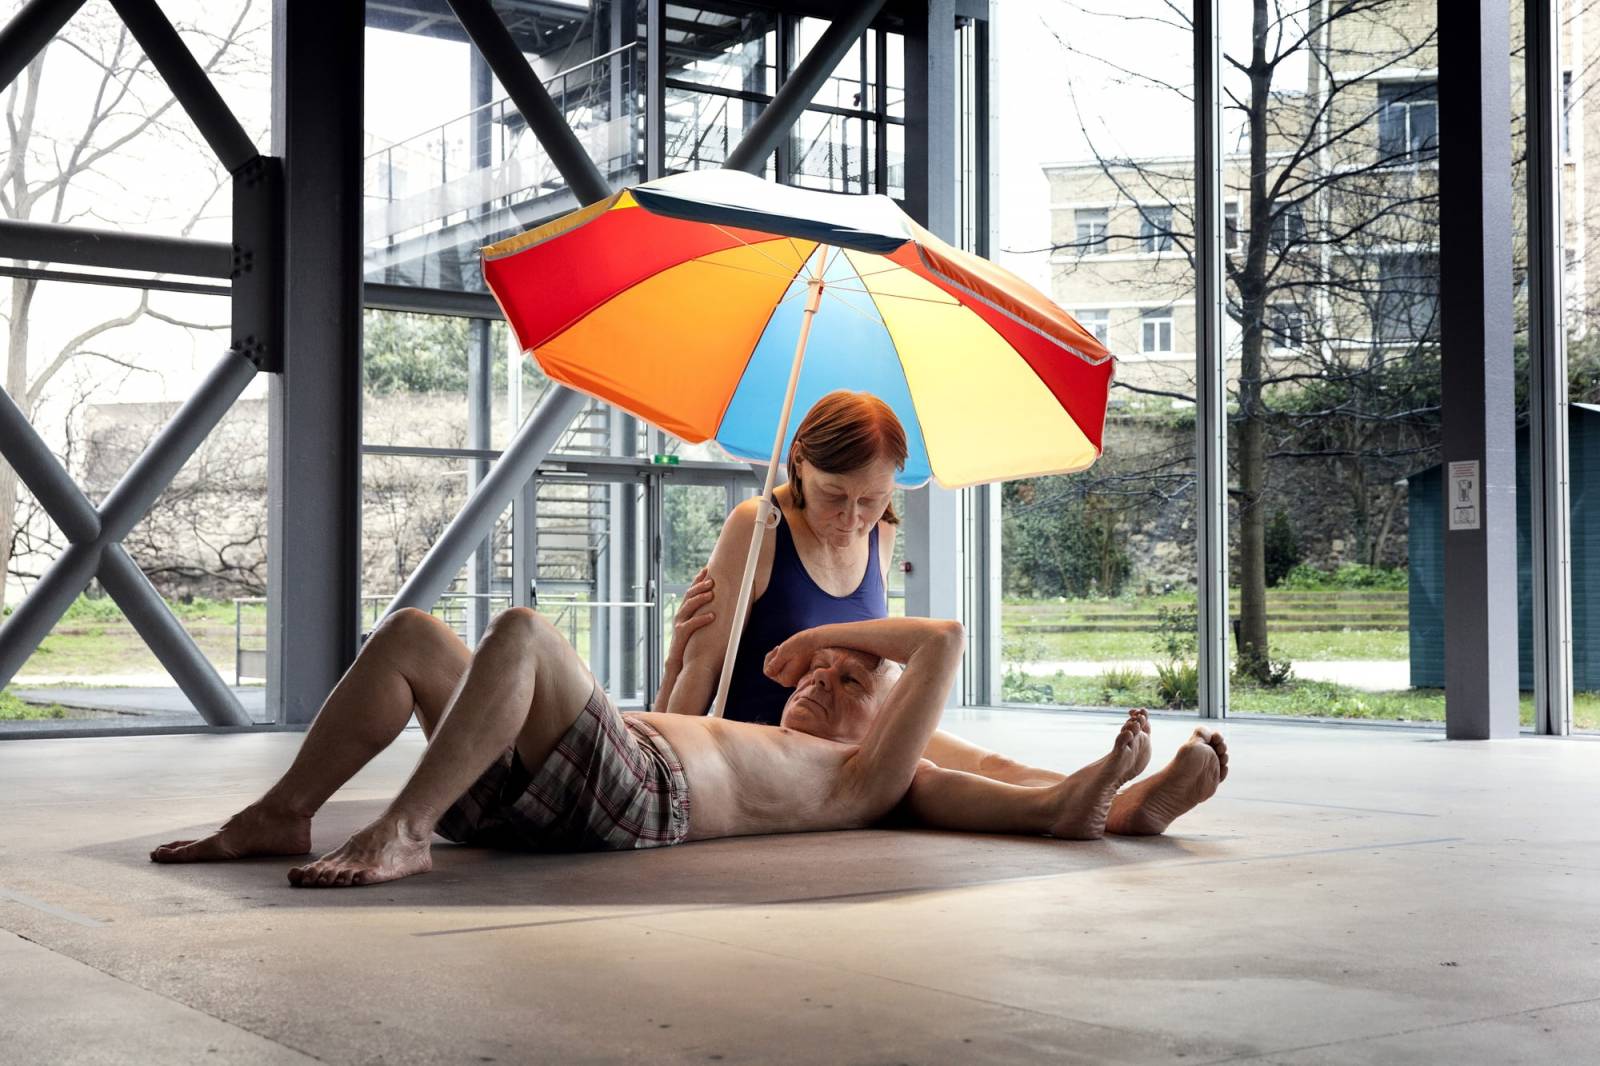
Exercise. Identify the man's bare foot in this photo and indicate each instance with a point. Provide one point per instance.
(256, 830)
(383, 851)
(1188, 780)
(1083, 801)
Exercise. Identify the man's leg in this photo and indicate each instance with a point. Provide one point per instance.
(412, 662)
(525, 686)
(1075, 808)
(1149, 806)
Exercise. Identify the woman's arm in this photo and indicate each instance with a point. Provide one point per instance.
(689, 620)
(696, 682)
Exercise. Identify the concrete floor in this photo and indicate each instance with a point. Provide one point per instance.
(1352, 895)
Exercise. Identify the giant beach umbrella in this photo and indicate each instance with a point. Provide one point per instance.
(713, 304)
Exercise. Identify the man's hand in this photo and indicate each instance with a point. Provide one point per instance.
(690, 619)
(788, 662)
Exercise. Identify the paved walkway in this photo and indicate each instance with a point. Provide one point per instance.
(141, 701)
(1369, 675)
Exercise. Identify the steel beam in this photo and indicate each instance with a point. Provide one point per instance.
(165, 455)
(43, 606)
(1550, 495)
(546, 121)
(29, 30)
(1478, 386)
(798, 89)
(44, 242)
(172, 645)
(1210, 423)
(503, 482)
(39, 469)
(188, 81)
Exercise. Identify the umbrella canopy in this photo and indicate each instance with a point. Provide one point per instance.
(681, 301)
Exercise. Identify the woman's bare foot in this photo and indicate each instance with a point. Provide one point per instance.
(1083, 801)
(384, 851)
(256, 830)
(1188, 780)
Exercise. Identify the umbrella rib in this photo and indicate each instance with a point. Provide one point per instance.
(788, 270)
(898, 296)
(787, 275)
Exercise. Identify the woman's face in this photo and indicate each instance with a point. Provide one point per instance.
(842, 508)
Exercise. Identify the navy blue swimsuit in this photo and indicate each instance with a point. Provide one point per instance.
(791, 603)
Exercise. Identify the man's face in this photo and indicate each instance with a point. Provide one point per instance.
(838, 697)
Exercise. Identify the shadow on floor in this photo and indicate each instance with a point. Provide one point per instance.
(800, 867)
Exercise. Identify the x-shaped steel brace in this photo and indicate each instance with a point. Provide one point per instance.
(95, 539)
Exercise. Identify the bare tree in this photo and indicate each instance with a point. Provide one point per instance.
(75, 176)
(1331, 265)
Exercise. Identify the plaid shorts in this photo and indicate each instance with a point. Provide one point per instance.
(612, 783)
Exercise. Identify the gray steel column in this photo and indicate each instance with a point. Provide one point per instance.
(314, 429)
(1550, 505)
(1211, 422)
(801, 87)
(29, 30)
(932, 527)
(1477, 395)
(172, 645)
(480, 365)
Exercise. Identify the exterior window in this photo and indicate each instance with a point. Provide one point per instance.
(1098, 322)
(1156, 330)
(1285, 326)
(1230, 226)
(1408, 297)
(1408, 122)
(1091, 223)
(1288, 227)
(1155, 229)
(1566, 114)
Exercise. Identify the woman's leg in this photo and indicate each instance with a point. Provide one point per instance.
(1075, 808)
(411, 663)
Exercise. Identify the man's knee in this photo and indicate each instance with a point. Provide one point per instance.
(410, 627)
(528, 628)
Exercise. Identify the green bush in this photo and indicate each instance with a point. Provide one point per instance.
(1283, 550)
(1177, 631)
(1178, 684)
(1120, 679)
(1056, 543)
(1018, 687)
(1347, 576)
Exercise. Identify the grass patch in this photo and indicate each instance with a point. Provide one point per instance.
(13, 709)
(1299, 699)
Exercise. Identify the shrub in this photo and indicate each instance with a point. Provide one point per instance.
(1120, 679)
(1347, 576)
(1283, 550)
(1178, 684)
(1018, 687)
(1249, 668)
(1176, 634)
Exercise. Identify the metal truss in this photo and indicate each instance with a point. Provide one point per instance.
(252, 263)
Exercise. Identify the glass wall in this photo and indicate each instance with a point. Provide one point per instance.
(1095, 204)
(451, 165)
(1333, 379)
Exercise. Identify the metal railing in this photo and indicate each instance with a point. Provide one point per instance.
(440, 177)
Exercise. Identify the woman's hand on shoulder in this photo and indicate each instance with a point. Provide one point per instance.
(694, 614)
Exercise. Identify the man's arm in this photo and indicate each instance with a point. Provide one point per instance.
(931, 649)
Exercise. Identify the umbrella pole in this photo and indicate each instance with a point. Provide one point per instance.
(766, 515)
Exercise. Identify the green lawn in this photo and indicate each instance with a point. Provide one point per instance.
(1308, 699)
